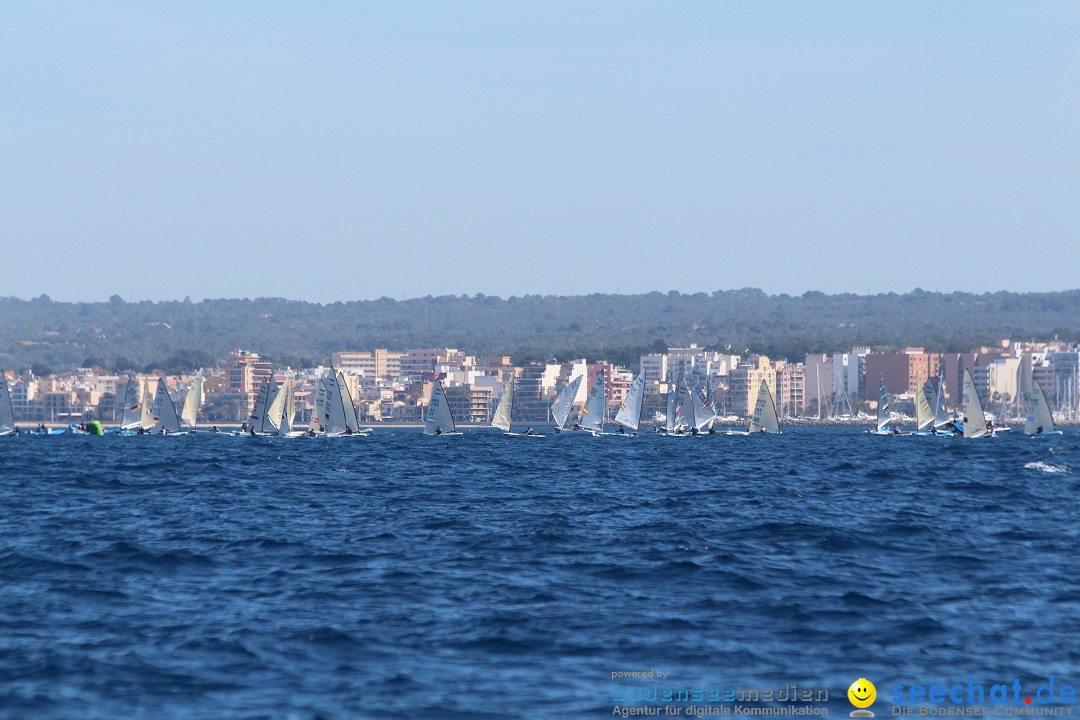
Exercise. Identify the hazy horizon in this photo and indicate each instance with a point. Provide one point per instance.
(505, 297)
(345, 151)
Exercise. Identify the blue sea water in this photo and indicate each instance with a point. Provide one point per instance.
(481, 576)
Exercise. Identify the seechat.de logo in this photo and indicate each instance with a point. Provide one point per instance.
(862, 694)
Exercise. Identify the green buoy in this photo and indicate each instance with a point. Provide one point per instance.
(94, 428)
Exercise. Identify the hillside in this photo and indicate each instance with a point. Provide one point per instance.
(118, 334)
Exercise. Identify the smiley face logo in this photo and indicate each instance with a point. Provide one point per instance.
(862, 693)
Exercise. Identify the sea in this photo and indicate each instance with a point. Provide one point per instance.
(482, 576)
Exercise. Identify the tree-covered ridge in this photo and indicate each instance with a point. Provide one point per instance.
(533, 327)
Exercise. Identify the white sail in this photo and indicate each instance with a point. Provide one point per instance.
(672, 403)
(348, 407)
(131, 417)
(974, 419)
(764, 418)
(262, 399)
(165, 417)
(146, 407)
(564, 402)
(7, 410)
(702, 404)
(288, 408)
(592, 415)
(334, 420)
(629, 415)
(924, 414)
(1039, 419)
(941, 414)
(318, 414)
(192, 401)
(684, 408)
(439, 420)
(884, 410)
(504, 411)
(270, 418)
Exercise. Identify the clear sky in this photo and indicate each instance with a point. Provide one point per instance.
(351, 150)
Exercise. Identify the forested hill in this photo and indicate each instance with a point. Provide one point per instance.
(171, 335)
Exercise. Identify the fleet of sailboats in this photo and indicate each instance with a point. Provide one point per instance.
(147, 408)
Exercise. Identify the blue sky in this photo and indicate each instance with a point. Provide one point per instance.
(344, 150)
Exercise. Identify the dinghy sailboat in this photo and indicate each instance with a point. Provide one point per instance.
(629, 415)
(166, 421)
(439, 419)
(131, 414)
(7, 410)
(504, 413)
(764, 419)
(564, 403)
(192, 401)
(592, 415)
(704, 413)
(1040, 421)
(924, 414)
(884, 412)
(974, 425)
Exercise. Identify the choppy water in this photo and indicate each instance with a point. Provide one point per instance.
(487, 577)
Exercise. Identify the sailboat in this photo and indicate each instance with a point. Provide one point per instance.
(672, 403)
(192, 401)
(146, 408)
(764, 419)
(564, 403)
(629, 415)
(439, 420)
(166, 421)
(266, 418)
(974, 424)
(942, 418)
(504, 413)
(351, 420)
(684, 407)
(1039, 419)
(288, 410)
(319, 411)
(7, 410)
(131, 415)
(884, 412)
(592, 415)
(704, 414)
(924, 414)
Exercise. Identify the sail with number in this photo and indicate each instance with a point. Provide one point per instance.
(884, 409)
(7, 410)
(439, 420)
(924, 414)
(592, 415)
(629, 415)
(974, 419)
(131, 415)
(1039, 418)
(504, 411)
(192, 401)
(564, 402)
(165, 417)
(764, 418)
